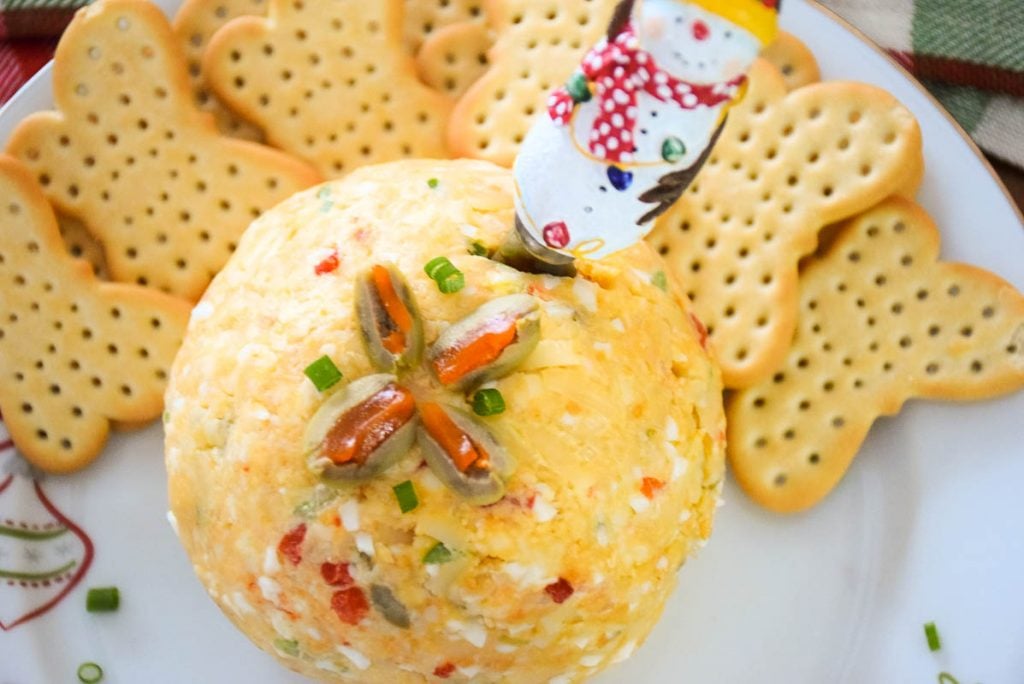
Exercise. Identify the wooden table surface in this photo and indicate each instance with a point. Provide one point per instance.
(1013, 178)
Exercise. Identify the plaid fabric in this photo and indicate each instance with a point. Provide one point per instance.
(970, 54)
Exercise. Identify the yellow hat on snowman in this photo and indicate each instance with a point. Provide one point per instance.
(759, 17)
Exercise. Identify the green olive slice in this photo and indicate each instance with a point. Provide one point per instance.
(487, 344)
(362, 430)
(389, 320)
(463, 454)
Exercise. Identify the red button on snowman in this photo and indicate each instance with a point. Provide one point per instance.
(632, 127)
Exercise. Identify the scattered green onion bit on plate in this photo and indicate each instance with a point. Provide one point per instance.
(287, 646)
(488, 402)
(946, 678)
(438, 554)
(90, 673)
(102, 600)
(433, 183)
(932, 634)
(406, 495)
(443, 272)
(660, 281)
(323, 373)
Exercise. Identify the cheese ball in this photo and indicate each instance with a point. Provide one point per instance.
(504, 481)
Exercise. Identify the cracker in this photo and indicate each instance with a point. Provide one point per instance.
(423, 19)
(82, 245)
(881, 321)
(194, 25)
(129, 155)
(785, 166)
(75, 353)
(455, 58)
(794, 60)
(329, 82)
(539, 45)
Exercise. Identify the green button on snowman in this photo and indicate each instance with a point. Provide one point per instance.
(631, 128)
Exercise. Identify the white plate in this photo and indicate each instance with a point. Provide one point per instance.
(927, 526)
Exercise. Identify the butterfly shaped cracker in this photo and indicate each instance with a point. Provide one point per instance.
(881, 321)
(330, 81)
(785, 166)
(794, 60)
(423, 19)
(455, 58)
(128, 154)
(194, 25)
(538, 46)
(75, 353)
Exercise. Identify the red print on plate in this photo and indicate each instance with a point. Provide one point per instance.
(43, 555)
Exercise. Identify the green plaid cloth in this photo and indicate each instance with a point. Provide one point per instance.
(970, 54)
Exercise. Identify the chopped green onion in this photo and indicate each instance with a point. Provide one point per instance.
(89, 673)
(406, 495)
(477, 249)
(323, 373)
(287, 646)
(438, 554)
(946, 678)
(443, 272)
(660, 281)
(433, 183)
(102, 600)
(932, 634)
(488, 402)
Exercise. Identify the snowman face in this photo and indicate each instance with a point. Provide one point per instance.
(693, 44)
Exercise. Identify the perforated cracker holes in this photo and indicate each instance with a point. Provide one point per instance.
(329, 81)
(539, 44)
(423, 19)
(455, 58)
(794, 60)
(194, 25)
(128, 154)
(880, 322)
(74, 353)
(785, 166)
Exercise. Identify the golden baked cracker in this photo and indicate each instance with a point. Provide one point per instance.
(455, 58)
(539, 45)
(785, 166)
(881, 321)
(194, 25)
(75, 353)
(794, 60)
(329, 81)
(129, 155)
(423, 19)
(82, 245)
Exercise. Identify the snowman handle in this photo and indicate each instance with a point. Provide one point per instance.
(620, 19)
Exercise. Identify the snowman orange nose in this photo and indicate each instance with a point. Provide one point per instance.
(700, 30)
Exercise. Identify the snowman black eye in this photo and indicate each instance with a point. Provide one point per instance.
(643, 131)
(679, 20)
(602, 188)
(654, 114)
(588, 210)
(728, 34)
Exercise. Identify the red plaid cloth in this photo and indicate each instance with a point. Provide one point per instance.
(28, 38)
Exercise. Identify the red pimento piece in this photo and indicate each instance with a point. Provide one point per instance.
(491, 340)
(702, 332)
(650, 485)
(366, 426)
(328, 265)
(463, 451)
(350, 605)
(559, 591)
(291, 544)
(336, 574)
(445, 670)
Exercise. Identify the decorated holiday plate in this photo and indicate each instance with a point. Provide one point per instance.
(926, 528)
